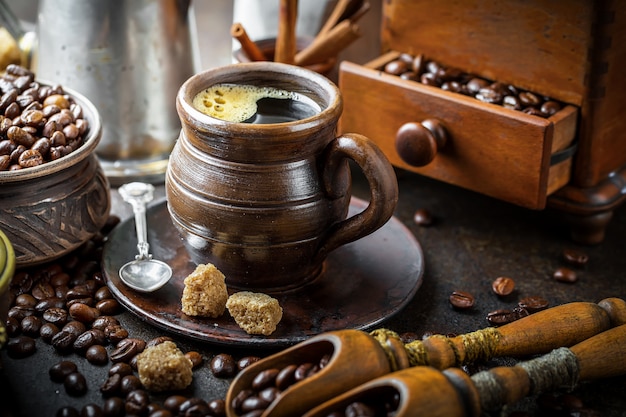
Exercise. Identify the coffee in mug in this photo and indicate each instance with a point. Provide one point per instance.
(252, 104)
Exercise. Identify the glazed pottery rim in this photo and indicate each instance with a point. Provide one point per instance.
(7, 262)
(90, 112)
(332, 106)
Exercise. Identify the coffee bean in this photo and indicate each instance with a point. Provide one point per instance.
(423, 217)
(286, 376)
(193, 406)
(114, 407)
(21, 347)
(566, 275)
(575, 257)
(223, 365)
(59, 371)
(503, 286)
(102, 322)
(111, 386)
(246, 361)
(461, 300)
(137, 402)
(31, 325)
(126, 349)
(217, 407)
(63, 341)
(55, 315)
(533, 304)
(501, 316)
(130, 383)
(75, 328)
(173, 403)
(97, 355)
(75, 384)
(302, 371)
(25, 300)
(89, 338)
(83, 312)
(67, 411)
(195, 358)
(264, 379)
(47, 331)
(108, 306)
(91, 410)
(12, 326)
(121, 368)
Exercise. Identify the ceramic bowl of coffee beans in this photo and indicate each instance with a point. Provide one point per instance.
(54, 195)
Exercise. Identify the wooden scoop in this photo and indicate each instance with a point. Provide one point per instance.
(357, 356)
(426, 391)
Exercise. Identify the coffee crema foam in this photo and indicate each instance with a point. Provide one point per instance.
(237, 102)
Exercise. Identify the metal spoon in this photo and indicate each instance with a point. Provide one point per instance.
(144, 273)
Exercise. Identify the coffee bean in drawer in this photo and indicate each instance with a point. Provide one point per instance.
(419, 69)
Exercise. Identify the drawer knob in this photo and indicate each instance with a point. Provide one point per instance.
(418, 143)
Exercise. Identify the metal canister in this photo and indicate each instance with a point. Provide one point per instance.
(129, 58)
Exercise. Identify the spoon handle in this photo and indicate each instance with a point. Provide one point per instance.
(138, 195)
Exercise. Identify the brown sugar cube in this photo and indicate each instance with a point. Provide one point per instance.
(205, 292)
(164, 367)
(255, 313)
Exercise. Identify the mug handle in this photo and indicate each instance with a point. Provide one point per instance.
(382, 182)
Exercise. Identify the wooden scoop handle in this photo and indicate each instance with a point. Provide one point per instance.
(600, 356)
(559, 326)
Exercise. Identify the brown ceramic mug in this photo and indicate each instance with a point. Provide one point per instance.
(266, 203)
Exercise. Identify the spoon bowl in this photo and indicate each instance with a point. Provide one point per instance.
(145, 275)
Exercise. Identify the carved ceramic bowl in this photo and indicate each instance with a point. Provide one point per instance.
(49, 210)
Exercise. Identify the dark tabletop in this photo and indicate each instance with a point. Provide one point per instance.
(473, 240)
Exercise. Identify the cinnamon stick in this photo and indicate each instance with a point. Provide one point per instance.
(340, 9)
(249, 48)
(286, 39)
(329, 45)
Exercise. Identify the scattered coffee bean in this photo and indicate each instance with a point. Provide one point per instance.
(21, 347)
(91, 410)
(75, 384)
(423, 217)
(246, 361)
(461, 300)
(505, 316)
(67, 411)
(173, 403)
(564, 274)
(137, 402)
(97, 355)
(195, 358)
(533, 304)
(223, 365)
(121, 368)
(113, 407)
(575, 257)
(31, 326)
(47, 332)
(503, 286)
(59, 371)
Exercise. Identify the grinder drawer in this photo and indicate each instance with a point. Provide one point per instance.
(500, 152)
